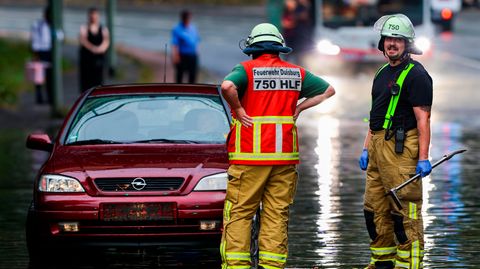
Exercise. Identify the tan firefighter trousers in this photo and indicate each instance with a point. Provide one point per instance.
(274, 187)
(397, 235)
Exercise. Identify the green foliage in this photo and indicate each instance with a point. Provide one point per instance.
(67, 65)
(146, 74)
(14, 54)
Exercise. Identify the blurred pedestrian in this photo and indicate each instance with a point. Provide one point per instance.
(94, 42)
(297, 24)
(289, 23)
(185, 39)
(263, 94)
(397, 147)
(41, 65)
(304, 26)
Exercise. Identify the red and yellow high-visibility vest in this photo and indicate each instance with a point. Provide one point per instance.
(270, 99)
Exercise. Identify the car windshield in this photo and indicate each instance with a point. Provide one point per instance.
(157, 118)
(337, 14)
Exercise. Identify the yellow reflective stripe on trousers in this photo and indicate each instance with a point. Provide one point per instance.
(264, 156)
(412, 210)
(222, 254)
(402, 264)
(238, 256)
(404, 254)
(238, 267)
(226, 217)
(373, 260)
(269, 266)
(415, 255)
(383, 251)
(226, 210)
(264, 255)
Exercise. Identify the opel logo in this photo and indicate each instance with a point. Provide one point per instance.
(139, 184)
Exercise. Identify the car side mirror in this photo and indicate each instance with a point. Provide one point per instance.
(39, 142)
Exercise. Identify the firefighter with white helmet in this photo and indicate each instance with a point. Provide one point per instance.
(397, 26)
(263, 147)
(397, 147)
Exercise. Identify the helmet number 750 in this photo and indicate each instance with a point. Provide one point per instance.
(393, 27)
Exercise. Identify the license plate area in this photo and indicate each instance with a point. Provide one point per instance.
(138, 211)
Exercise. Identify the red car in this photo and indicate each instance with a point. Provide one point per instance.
(133, 164)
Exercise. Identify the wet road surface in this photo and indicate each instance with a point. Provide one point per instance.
(326, 227)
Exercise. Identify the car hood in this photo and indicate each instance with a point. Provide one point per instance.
(137, 156)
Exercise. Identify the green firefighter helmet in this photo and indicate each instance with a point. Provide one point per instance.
(264, 32)
(396, 25)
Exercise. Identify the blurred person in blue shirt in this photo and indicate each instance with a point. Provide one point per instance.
(185, 39)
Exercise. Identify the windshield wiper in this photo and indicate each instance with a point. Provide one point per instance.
(165, 140)
(94, 142)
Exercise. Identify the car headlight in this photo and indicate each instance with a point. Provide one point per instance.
(58, 183)
(215, 182)
(423, 44)
(326, 46)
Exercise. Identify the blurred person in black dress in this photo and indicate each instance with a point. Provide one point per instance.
(94, 42)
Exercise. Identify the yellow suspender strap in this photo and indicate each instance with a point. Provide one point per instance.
(394, 100)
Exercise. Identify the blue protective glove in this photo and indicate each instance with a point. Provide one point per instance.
(363, 161)
(424, 168)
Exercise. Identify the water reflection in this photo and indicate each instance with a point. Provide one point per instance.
(445, 208)
(328, 132)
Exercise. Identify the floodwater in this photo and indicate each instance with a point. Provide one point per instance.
(327, 227)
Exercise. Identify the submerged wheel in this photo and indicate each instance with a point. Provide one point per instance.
(33, 244)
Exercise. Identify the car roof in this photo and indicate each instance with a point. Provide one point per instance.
(154, 88)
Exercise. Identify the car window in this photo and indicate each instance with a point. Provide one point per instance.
(150, 119)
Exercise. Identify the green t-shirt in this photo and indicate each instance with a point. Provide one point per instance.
(311, 85)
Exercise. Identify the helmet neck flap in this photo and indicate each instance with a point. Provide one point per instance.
(265, 38)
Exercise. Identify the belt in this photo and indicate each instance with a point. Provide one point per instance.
(380, 132)
(413, 131)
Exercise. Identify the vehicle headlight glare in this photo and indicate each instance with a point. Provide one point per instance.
(327, 47)
(215, 182)
(423, 44)
(58, 183)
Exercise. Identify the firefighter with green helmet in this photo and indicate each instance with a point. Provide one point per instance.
(263, 94)
(396, 147)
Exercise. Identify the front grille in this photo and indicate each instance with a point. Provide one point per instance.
(126, 184)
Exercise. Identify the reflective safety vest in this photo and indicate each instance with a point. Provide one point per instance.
(270, 99)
